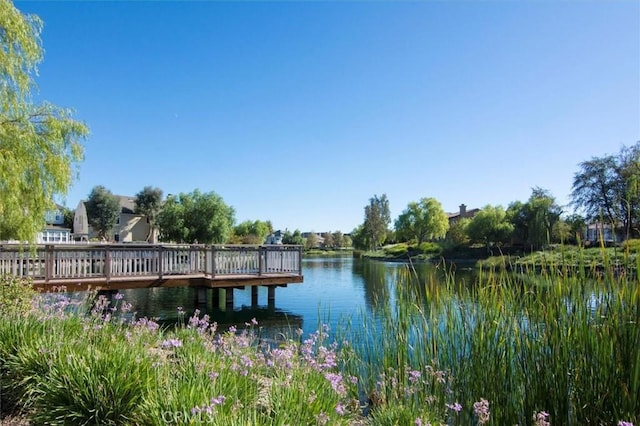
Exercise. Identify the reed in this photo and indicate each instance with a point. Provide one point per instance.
(555, 342)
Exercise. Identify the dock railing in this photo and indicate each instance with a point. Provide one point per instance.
(109, 261)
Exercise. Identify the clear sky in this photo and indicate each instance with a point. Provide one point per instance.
(299, 112)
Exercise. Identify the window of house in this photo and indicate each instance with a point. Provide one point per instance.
(116, 237)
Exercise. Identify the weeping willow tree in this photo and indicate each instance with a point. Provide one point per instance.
(39, 142)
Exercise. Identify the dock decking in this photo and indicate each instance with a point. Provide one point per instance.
(79, 267)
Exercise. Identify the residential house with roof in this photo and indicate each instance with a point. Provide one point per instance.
(54, 231)
(603, 232)
(129, 226)
(461, 214)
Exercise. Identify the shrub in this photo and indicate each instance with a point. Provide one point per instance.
(633, 245)
(396, 250)
(430, 248)
(16, 295)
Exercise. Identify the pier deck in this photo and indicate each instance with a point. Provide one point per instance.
(80, 267)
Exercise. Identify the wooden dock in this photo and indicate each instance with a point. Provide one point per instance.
(81, 267)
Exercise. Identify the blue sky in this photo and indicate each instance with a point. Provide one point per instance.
(299, 112)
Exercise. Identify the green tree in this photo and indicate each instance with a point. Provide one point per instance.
(569, 230)
(311, 241)
(69, 217)
(103, 211)
(424, 220)
(195, 217)
(39, 143)
(544, 212)
(457, 233)
(294, 238)
(490, 226)
(533, 221)
(149, 203)
(338, 239)
(359, 238)
(608, 189)
(376, 220)
(328, 240)
(249, 232)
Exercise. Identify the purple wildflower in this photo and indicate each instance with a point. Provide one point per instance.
(624, 423)
(336, 383)
(340, 409)
(118, 296)
(218, 401)
(171, 343)
(541, 419)
(418, 422)
(414, 375)
(481, 409)
(454, 407)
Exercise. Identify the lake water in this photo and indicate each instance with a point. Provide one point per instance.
(334, 288)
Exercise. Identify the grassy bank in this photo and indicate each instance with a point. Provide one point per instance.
(511, 349)
(568, 258)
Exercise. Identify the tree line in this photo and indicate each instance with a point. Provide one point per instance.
(605, 190)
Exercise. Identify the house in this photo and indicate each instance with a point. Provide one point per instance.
(54, 231)
(461, 214)
(274, 238)
(129, 225)
(319, 237)
(602, 232)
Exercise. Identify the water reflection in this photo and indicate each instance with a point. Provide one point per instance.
(334, 289)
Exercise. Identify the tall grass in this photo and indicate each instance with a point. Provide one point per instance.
(553, 343)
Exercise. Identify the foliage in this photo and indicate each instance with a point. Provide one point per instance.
(149, 203)
(632, 245)
(249, 232)
(569, 230)
(16, 295)
(195, 218)
(96, 369)
(376, 220)
(359, 238)
(396, 250)
(424, 220)
(457, 233)
(508, 339)
(103, 211)
(489, 226)
(429, 247)
(311, 241)
(338, 240)
(606, 188)
(39, 144)
(69, 218)
(293, 238)
(328, 240)
(533, 221)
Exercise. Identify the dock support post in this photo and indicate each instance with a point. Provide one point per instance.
(215, 297)
(254, 296)
(229, 299)
(271, 295)
(202, 296)
(222, 297)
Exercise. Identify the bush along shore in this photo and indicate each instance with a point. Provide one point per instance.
(509, 349)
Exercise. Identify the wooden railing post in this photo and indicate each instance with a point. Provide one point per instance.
(48, 262)
(262, 259)
(107, 263)
(299, 260)
(160, 261)
(213, 261)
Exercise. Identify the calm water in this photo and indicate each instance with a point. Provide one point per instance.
(333, 289)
